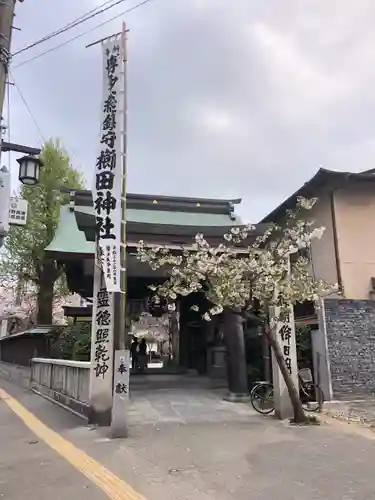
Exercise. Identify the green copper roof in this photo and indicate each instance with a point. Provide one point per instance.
(173, 218)
(68, 238)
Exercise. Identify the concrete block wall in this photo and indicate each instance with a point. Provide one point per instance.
(66, 382)
(350, 330)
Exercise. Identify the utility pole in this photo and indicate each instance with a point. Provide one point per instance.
(7, 8)
(6, 23)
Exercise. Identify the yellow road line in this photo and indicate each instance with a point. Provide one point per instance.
(114, 487)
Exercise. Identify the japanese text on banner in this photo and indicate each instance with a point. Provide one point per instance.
(108, 171)
(285, 332)
(103, 333)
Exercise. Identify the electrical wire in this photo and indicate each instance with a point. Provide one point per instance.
(82, 34)
(28, 109)
(81, 17)
(76, 22)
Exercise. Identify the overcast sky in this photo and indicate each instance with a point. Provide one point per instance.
(226, 98)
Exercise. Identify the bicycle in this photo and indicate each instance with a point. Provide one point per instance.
(311, 395)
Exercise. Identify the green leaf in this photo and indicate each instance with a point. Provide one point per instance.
(24, 256)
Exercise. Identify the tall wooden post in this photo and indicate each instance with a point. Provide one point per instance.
(121, 377)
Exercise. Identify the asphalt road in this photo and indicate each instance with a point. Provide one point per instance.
(256, 459)
(30, 469)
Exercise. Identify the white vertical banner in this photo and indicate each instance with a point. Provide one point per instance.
(101, 345)
(108, 169)
(4, 200)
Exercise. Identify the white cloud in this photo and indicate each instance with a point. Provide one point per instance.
(212, 112)
(299, 88)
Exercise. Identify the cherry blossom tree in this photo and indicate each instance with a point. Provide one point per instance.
(244, 273)
(22, 313)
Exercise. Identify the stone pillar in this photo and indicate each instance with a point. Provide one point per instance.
(285, 335)
(319, 345)
(120, 394)
(101, 370)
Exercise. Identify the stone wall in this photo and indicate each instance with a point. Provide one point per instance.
(350, 330)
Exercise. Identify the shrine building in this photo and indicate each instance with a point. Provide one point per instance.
(161, 220)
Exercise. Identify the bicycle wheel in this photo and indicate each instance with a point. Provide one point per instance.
(312, 397)
(261, 398)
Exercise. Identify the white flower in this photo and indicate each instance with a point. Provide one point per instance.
(233, 280)
(216, 310)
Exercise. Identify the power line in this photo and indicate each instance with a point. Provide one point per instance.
(83, 33)
(81, 17)
(28, 108)
(76, 22)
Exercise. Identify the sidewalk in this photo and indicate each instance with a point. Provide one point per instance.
(18, 374)
(361, 411)
(253, 458)
(29, 469)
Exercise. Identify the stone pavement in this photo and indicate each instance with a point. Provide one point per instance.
(184, 406)
(360, 411)
(244, 458)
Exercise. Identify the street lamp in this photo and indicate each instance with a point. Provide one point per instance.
(29, 170)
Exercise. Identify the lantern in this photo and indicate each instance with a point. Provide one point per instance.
(29, 170)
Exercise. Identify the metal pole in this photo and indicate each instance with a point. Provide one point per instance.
(6, 21)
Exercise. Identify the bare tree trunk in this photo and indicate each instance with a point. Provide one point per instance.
(266, 358)
(46, 282)
(174, 333)
(299, 414)
(236, 359)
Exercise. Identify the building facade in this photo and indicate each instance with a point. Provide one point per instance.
(343, 334)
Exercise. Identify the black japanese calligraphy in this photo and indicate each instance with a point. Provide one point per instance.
(122, 368)
(104, 180)
(105, 203)
(102, 335)
(112, 80)
(109, 138)
(101, 353)
(112, 62)
(285, 332)
(286, 350)
(103, 318)
(101, 369)
(284, 317)
(106, 160)
(102, 299)
(109, 122)
(121, 388)
(104, 228)
(107, 199)
(288, 363)
(110, 104)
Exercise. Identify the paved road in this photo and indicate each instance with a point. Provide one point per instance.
(29, 468)
(258, 459)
